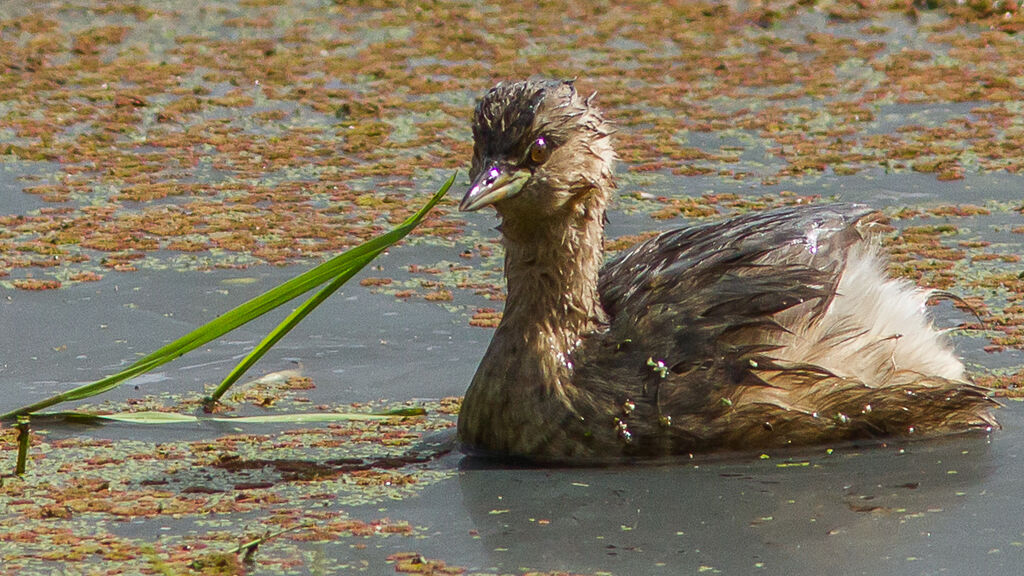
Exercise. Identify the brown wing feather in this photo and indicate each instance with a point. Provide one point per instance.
(695, 315)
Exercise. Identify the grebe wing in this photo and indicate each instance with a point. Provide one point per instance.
(701, 305)
(751, 266)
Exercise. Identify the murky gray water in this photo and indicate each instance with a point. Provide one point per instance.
(925, 508)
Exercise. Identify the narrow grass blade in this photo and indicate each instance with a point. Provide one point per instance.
(297, 316)
(346, 263)
(307, 418)
(145, 417)
(283, 328)
(149, 417)
(23, 445)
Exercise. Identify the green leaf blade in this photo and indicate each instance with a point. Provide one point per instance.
(344, 265)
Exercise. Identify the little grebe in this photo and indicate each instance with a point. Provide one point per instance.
(770, 329)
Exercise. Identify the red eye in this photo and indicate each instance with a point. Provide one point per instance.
(540, 151)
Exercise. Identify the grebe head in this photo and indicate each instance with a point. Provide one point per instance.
(538, 148)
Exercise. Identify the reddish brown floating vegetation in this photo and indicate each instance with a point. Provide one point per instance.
(35, 284)
(442, 295)
(265, 104)
(413, 563)
(485, 318)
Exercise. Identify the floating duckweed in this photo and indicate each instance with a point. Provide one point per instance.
(623, 430)
(802, 464)
(658, 366)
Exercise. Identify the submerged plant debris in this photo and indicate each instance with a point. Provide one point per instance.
(140, 135)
